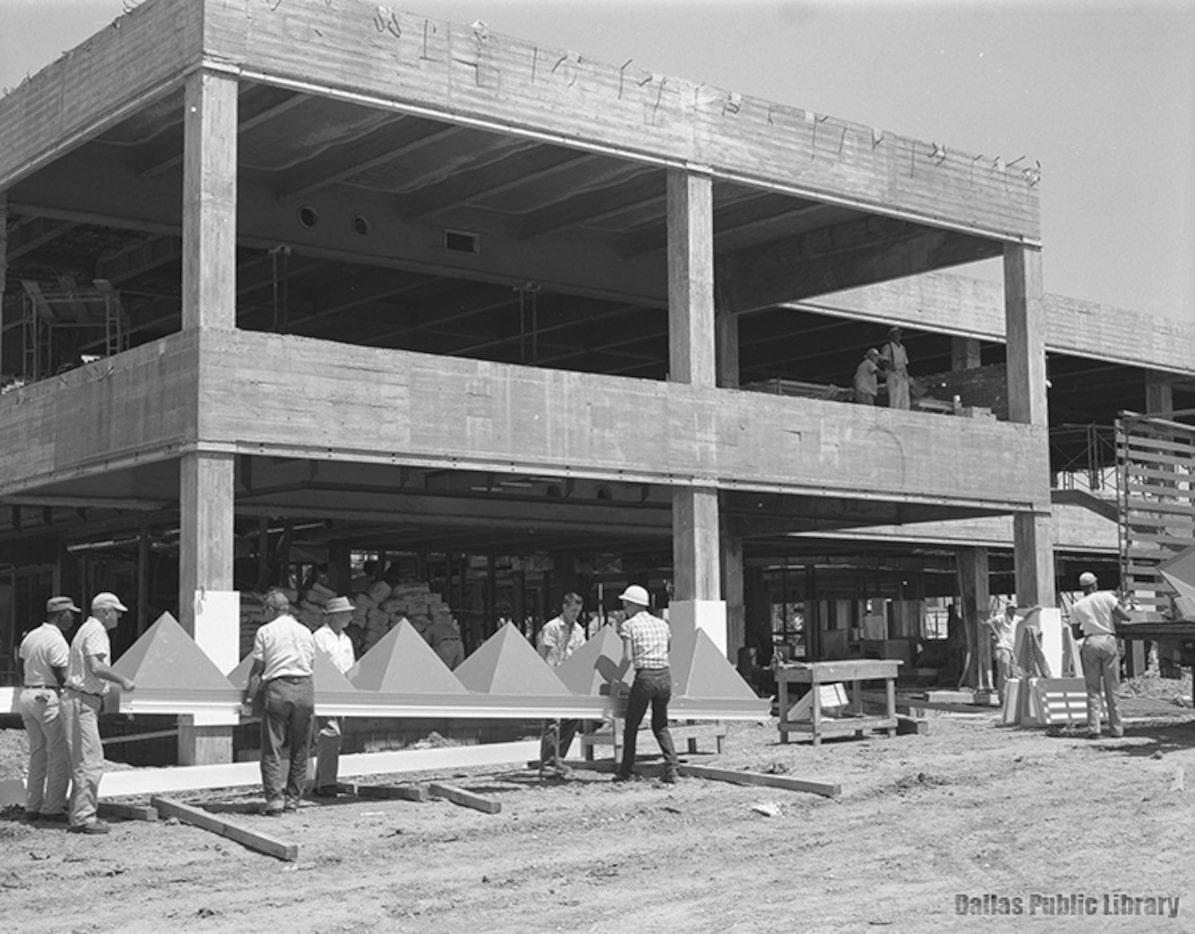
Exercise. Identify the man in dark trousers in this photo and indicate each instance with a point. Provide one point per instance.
(283, 664)
(646, 641)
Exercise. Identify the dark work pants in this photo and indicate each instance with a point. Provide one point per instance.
(652, 686)
(289, 710)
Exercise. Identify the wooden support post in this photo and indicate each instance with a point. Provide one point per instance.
(242, 835)
(976, 598)
(465, 798)
(691, 339)
(209, 201)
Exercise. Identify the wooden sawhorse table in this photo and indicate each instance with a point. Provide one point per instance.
(853, 672)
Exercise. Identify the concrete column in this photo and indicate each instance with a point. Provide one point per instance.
(964, 353)
(696, 566)
(975, 600)
(209, 201)
(1033, 544)
(1024, 317)
(692, 357)
(733, 590)
(1159, 392)
(691, 343)
(3, 274)
(206, 479)
(1025, 324)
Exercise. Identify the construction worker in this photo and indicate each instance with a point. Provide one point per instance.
(283, 663)
(1004, 630)
(45, 656)
(88, 678)
(866, 384)
(896, 364)
(331, 639)
(1095, 613)
(559, 638)
(646, 642)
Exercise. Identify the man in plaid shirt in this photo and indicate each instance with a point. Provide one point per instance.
(646, 640)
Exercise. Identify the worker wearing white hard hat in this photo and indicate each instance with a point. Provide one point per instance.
(646, 641)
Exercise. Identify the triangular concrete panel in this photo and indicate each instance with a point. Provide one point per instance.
(165, 657)
(328, 678)
(403, 663)
(592, 668)
(239, 676)
(701, 671)
(506, 664)
(1180, 572)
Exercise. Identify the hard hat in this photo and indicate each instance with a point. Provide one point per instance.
(635, 594)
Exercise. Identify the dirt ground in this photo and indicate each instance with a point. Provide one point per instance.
(972, 809)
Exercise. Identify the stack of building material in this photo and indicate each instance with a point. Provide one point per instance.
(381, 607)
(310, 611)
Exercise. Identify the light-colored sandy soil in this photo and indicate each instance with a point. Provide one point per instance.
(971, 809)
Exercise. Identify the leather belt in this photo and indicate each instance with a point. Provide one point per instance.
(42, 687)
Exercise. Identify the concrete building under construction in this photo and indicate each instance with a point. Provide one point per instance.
(285, 284)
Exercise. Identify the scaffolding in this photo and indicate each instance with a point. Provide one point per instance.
(60, 326)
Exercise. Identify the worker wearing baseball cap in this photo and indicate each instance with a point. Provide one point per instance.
(646, 641)
(1095, 613)
(44, 655)
(88, 677)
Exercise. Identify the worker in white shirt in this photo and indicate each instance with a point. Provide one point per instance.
(283, 663)
(1095, 613)
(1004, 631)
(330, 639)
(559, 638)
(45, 655)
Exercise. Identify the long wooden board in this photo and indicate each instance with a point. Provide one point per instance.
(399, 792)
(465, 798)
(786, 782)
(261, 842)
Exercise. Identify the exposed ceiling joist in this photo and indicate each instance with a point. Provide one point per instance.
(519, 168)
(32, 233)
(392, 141)
(636, 188)
(257, 105)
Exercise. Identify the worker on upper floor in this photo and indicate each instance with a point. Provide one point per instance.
(896, 365)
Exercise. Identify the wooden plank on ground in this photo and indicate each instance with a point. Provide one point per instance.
(111, 809)
(465, 798)
(261, 842)
(755, 778)
(402, 792)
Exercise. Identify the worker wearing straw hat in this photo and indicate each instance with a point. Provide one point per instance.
(330, 639)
